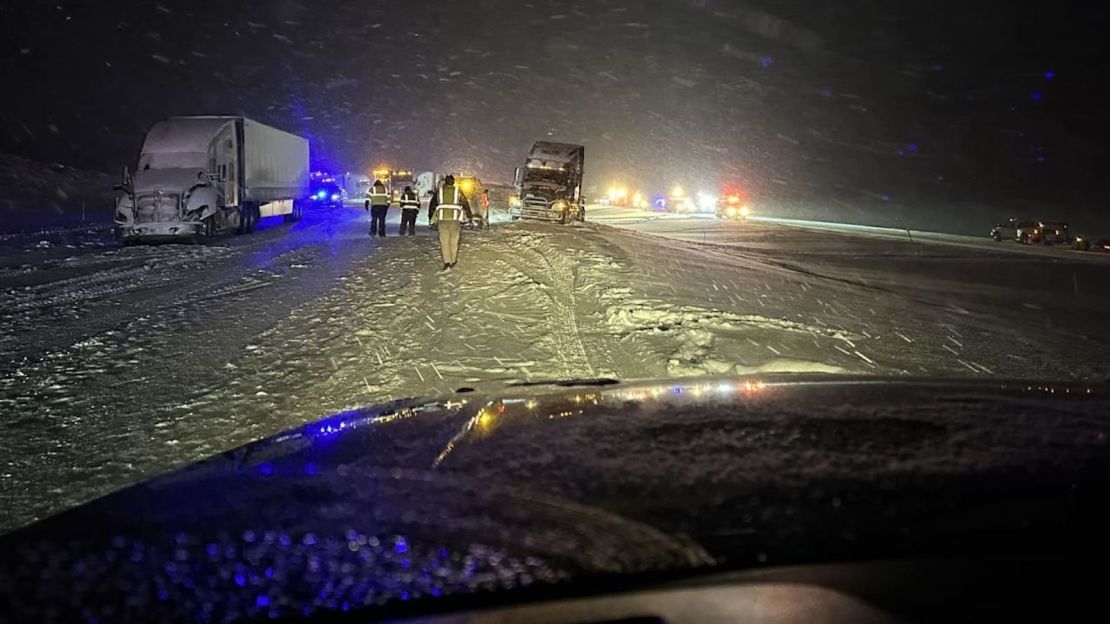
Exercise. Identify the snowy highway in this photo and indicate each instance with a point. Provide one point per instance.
(119, 363)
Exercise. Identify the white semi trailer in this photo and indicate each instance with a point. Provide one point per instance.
(209, 175)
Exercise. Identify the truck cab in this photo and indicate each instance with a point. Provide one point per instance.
(549, 186)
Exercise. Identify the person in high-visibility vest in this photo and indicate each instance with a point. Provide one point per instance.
(446, 210)
(378, 204)
(410, 207)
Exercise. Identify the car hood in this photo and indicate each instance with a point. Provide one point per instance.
(546, 482)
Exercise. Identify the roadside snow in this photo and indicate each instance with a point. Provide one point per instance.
(160, 356)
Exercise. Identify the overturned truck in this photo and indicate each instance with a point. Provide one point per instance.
(549, 185)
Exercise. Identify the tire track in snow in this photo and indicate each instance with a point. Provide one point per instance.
(560, 291)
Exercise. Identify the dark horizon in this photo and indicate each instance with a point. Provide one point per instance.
(906, 109)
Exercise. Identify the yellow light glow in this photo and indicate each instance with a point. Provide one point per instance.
(484, 420)
(678, 191)
(638, 200)
(745, 211)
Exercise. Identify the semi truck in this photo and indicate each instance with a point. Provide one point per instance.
(549, 185)
(204, 176)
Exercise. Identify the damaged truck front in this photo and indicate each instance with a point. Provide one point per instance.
(205, 176)
(549, 185)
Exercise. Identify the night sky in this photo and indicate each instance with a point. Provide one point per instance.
(881, 111)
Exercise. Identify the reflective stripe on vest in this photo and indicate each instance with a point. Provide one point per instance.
(449, 213)
(410, 201)
(454, 197)
(449, 210)
(379, 198)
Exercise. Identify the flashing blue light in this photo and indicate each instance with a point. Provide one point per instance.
(766, 61)
(1035, 96)
(912, 147)
(335, 196)
(321, 194)
(262, 601)
(1049, 75)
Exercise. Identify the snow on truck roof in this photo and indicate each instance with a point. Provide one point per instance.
(180, 141)
(544, 150)
(183, 134)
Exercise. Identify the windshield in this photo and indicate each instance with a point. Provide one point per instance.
(857, 190)
(553, 177)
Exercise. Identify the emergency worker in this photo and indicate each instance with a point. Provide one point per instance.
(446, 210)
(378, 204)
(410, 207)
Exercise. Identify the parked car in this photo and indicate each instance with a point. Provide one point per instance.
(1101, 245)
(1008, 230)
(1044, 233)
(329, 194)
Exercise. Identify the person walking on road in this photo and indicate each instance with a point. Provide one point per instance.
(378, 205)
(446, 210)
(410, 207)
(483, 219)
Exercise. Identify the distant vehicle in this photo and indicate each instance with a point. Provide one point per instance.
(398, 180)
(678, 201)
(1007, 230)
(1101, 245)
(328, 194)
(472, 188)
(357, 185)
(1043, 233)
(732, 207)
(425, 184)
(549, 185)
(207, 175)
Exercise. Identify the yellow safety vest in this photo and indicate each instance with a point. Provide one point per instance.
(378, 199)
(410, 201)
(449, 209)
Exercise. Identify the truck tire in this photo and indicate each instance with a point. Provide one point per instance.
(563, 218)
(254, 216)
(243, 217)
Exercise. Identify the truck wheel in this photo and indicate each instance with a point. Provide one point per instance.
(563, 218)
(243, 215)
(254, 215)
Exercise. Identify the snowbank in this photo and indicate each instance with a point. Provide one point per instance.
(35, 195)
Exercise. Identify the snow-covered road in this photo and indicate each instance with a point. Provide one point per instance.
(119, 363)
